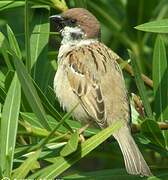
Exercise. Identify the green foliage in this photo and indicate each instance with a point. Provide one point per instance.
(26, 166)
(118, 174)
(38, 139)
(71, 145)
(151, 130)
(140, 85)
(60, 164)
(159, 26)
(9, 124)
(160, 81)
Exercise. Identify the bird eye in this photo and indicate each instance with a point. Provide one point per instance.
(70, 22)
(73, 21)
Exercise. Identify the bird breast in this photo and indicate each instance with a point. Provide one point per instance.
(68, 100)
(89, 75)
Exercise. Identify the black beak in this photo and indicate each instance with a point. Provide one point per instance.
(58, 22)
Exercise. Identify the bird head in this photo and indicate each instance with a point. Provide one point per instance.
(76, 24)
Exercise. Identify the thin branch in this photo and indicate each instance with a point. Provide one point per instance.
(135, 128)
(128, 68)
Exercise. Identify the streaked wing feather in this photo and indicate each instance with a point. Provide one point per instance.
(87, 88)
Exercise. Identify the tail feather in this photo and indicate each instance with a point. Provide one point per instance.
(134, 161)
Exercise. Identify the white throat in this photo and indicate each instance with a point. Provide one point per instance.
(69, 40)
(72, 35)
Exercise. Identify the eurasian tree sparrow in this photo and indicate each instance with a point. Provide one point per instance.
(89, 74)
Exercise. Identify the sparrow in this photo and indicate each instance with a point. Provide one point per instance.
(88, 75)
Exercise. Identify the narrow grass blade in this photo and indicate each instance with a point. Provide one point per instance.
(49, 107)
(107, 18)
(28, 87)
(159, 26)
(8, 79)
(61, 164)
(27, 36)
(22, 171)
(75, 125)
(2, 95)
(10, 4)
(81, 3)
(160, 82)
(9, 124)
(71, 146)
(140, 85)
(160, 79)
(30, 92)
(40, 64)
(0, 120)
(3, 49)
(67, 116)
(13, 42)
(116, 174)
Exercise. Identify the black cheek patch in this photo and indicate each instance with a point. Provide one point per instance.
(76, 36)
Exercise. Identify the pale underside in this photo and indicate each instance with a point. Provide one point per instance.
(88, 74)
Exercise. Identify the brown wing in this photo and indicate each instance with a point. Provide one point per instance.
(97, 80)
(82, 73)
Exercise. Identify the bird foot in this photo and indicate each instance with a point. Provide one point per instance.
(81, 130)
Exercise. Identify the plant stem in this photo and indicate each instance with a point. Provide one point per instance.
(135, 128)
(128, 68)
(27, 37)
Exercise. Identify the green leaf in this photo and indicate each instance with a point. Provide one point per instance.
(61, 164)
(50, 135)
(3, 49)
(150, 129)
(9, 124)
(66, 116)
(40, 65)
(0, 121)
(39, 6)
(49, 107)
(22, 171)
(30, 92)
(81, 3)
(28, 87)
(10, 4)
(2, 39)
(8, 80)
(32, 119)
(107, 18)
(143, 11)
(160, 80)
(71, 146)
(27, 36)
(159, 26)
(140, 85)
(153, 178)
(2, 95)
(13, 42)
(116, 174)
(61, 5)
(46, 103)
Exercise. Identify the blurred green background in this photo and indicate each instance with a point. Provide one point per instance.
(36, 111)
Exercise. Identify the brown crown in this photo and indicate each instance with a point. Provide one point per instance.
(88, 23)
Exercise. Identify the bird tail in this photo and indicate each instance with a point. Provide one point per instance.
(134, 161)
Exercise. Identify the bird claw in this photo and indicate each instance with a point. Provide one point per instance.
(81, 130)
